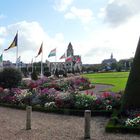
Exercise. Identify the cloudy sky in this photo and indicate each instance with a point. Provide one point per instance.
(96, 28)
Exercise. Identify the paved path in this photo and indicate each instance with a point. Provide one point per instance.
(99, 88)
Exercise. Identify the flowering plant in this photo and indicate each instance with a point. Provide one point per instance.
(80, 83)
(84, 101)
(1, 89)
(46, 95)
(65, 100)
(133, 122)
(50, 105)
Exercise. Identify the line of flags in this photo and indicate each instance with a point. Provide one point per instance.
(52, 52)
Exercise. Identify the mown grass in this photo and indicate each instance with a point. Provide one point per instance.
(117, 79)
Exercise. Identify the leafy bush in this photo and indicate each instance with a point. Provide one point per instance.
(10, 78)
(61, 72)
(34, 76)
(47, 73)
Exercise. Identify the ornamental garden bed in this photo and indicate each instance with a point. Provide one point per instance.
(126, 122)
(60, 96)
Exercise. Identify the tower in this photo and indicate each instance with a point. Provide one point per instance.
(70, 50)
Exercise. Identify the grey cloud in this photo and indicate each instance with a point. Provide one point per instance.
(119, 11)
(98, 51)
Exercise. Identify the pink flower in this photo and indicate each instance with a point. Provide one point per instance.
(106, 94)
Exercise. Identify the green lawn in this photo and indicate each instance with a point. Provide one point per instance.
(118, 79)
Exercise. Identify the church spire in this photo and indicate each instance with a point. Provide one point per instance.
(111, 56)
(70, 51)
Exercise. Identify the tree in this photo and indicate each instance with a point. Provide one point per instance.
(10, 78)
(131, 98)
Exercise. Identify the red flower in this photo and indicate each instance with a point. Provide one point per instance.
(33, 85)
(1, 89)
(106, 94)
(137, 115)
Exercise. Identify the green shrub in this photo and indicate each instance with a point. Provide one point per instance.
(10, 78)
(34, 76)
(47, 73)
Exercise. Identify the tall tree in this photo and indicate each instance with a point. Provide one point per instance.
(131, 98)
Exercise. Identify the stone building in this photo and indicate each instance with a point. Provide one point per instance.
(109, 61)
(72, 62)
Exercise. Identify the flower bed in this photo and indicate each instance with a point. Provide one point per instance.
(64, 111)
(57, 95)
(128, 122)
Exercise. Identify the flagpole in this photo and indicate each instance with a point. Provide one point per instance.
(32, 65)
(2, 61)
(55, 59)
(17, 53)
(42, 63)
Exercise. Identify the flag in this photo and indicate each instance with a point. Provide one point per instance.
(78, 60)
(52, 53)
(40, 50)
(63, 56)
(14, 43)
(69, 58)
(1, 58)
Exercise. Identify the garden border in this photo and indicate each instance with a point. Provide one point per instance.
(63, 111)
(113, 127)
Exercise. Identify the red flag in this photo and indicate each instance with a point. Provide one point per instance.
(40, 50)
(69, 58)
(63, 56)
(78, 60)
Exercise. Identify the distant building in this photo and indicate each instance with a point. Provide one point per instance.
(109, 61)
(126, 63)
(8, 64)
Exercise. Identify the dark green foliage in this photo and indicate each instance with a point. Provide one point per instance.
(56, 73)
(47, 73)
(34, 76)
(10, 78)
(65, 73)
(61, 72)
(116, 125)
(131, 97)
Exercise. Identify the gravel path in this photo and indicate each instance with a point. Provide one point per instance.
(47, 126)
(53, 127)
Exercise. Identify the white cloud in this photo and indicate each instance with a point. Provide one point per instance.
(62, 5)
(30, 37)
(121, 41)
(84, 15)
(117, 12)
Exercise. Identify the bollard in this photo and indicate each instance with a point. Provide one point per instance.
(28, 117)
(87, 124)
